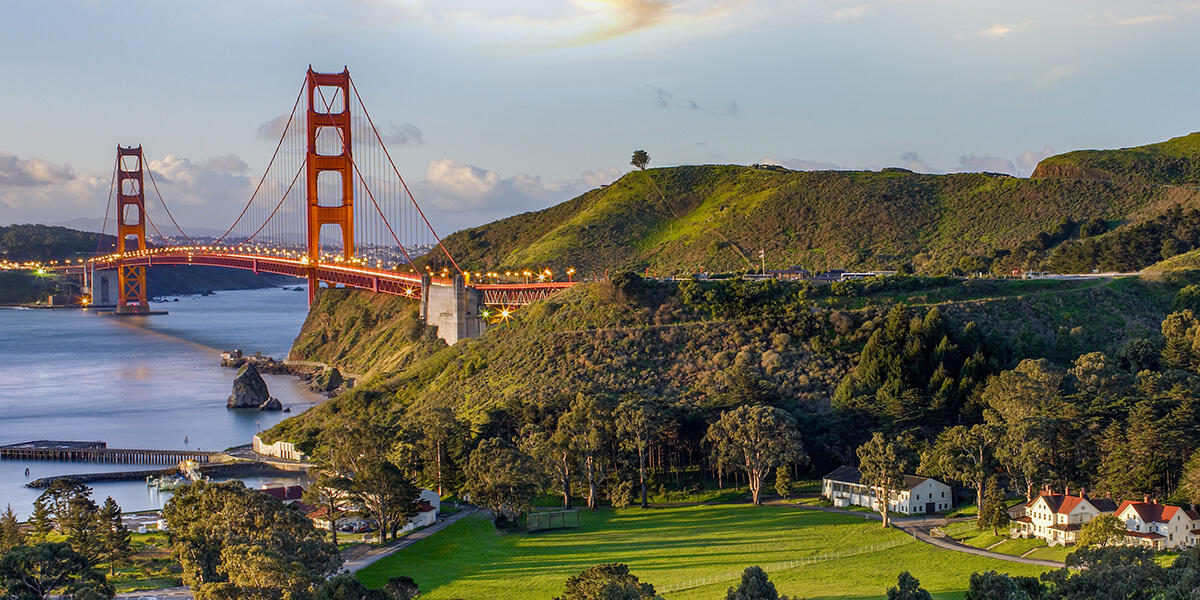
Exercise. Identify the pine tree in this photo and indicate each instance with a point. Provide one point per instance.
(79, 523)
(113, 535)
(41, 523)
(783, 481)
(10, 531)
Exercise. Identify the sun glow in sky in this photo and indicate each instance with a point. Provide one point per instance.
(496, 108)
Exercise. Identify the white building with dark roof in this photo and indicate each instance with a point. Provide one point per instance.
(921, 495)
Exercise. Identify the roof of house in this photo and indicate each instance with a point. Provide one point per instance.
(1143, 535)
(1153, 512)
(281, 493)
(844, 474)
(1063, 504)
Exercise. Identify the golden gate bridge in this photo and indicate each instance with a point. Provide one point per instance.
(330, 207)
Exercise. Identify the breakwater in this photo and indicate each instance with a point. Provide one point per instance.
(45, 482)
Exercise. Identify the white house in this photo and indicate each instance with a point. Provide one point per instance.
(1057, 518)
(1159, 526)
(921, 495)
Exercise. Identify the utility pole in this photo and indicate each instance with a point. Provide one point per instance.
(763, 257)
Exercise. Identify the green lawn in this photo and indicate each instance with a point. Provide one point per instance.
(1017, 547)
(668, 547)
(965, 532)
(1058, 553)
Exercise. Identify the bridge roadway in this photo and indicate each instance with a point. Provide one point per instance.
(350, 275)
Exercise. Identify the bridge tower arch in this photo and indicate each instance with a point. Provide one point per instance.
(340, 212)
(131, 223)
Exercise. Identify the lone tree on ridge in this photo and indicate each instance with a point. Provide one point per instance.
(641, 158)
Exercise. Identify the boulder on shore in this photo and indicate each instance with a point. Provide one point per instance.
(250, 391)
(271, 404)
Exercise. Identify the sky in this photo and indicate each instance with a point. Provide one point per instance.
(497, 108)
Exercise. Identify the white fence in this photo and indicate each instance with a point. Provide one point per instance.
(791, 564)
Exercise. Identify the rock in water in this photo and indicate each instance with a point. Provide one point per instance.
(249, 389)
(271, 404)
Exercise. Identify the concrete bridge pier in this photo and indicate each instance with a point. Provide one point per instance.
(103, 287)
(453, 310)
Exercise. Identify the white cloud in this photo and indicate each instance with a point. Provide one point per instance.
(990, 164)
(850, 12)
(996, 31)
(1145, 19)
(15, 171)
(36, 190)
(913, 162)
(452, 186)
(1029, 159)
(214, 181)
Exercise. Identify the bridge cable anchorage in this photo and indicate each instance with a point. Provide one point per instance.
(401, 177)
(111, 186)
(357, 171)
(269, 164)
(164, 205)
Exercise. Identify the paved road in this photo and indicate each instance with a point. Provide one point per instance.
(922, 533)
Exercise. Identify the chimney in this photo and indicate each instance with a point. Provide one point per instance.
(1067, 490)
(1146, 499)
(1082, 492)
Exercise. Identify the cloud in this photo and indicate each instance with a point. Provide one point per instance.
(272, 130)
(15, 171)
(913, 162)
(1051, 77)
(797, 164)
(201, 183)
(986, 164)
(404, 134)
(665, 98)
(850, 12)
(454, 186)
(35, 190)
(1029, 159)
(1145, 19)
(996, 31)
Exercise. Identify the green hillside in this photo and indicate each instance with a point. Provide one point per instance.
(695, 347)
(1175, 161)
(716, 218)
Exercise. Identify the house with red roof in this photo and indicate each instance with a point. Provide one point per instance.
(1159, 526)
(1057, 518)
(286, 494)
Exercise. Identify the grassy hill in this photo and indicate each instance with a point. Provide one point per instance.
(1175, 161)
(716, 218)
(694, 350)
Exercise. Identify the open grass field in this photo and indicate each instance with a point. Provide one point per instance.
(669, 547)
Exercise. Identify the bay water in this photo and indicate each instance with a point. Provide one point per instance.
(151, 382)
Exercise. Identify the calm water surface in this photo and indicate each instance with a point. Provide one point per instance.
(138, 382)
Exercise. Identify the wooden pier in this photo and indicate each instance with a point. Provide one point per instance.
(99, 452)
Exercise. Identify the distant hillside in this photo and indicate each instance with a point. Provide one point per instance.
(1175, 161)
(716, 218)
(20, 243)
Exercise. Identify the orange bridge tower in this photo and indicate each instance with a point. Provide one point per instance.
(131, 231)
(327, 93)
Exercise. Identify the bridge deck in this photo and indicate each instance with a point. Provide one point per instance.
(353, 275)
